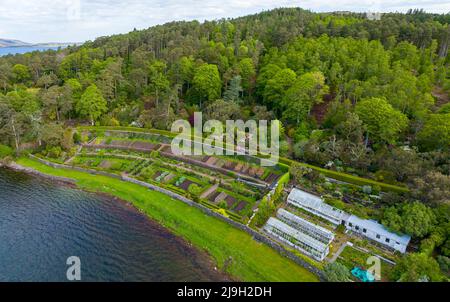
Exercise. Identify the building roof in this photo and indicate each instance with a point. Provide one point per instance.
(278, 224)
(311, 201)
(283, 214)
(379, 229)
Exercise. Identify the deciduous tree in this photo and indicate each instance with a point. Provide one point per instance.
(92, 104)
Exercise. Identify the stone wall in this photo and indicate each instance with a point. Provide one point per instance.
(20, 168)
(61, 166)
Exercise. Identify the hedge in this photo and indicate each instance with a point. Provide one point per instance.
(131, 129)
(282, 182)
(348, 177)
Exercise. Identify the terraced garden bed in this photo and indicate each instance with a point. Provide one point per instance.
(186, 184)
(155, 163)
(241, 205)
(151, 137)
(110, 164)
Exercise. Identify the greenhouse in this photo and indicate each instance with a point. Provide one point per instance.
(300, 241)
(316, 206)
(377, 232)
(364, 227)
(311, 229)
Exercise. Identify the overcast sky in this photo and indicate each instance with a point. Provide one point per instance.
(80, 20)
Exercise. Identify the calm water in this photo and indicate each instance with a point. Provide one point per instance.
(20, 50)
(42, 224)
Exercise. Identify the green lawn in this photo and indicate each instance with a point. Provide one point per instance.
(234, 250)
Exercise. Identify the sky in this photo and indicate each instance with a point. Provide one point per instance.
(81, 20)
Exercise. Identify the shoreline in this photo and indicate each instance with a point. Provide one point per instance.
(236, 252)
(200, 256)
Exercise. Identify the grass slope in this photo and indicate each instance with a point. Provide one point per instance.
(234, 250)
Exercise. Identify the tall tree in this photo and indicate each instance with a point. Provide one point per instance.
(248, 73)
(435, 133)
(416, 267)
(308, 89)
(109, 80)
(92, 104)
(383, 122)
(21, 73)
(207, 83)
(5, 76)
(158, 82)
(277, 86)
(234, 90)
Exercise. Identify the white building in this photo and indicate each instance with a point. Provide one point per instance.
(367, 228)
(317, 206)
(297, 239)
(377, 232)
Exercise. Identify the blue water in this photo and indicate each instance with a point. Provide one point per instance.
(42, 224)
(21, 50)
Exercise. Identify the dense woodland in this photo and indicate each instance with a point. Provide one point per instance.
(370, 98)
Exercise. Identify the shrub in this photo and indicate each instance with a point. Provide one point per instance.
(338, 194)
(194, 189)
(154, 154)
(223, 205)
(109, 121)
(376, 190)
(67, 139)
(5, 151)
(337, 272)
(116, 166)
(367, 189)
(54, 152)
(222, 212)
(266, 207)
(444, 262)
(415, 267)
(328, 185)
(339, 204)
(77, 138)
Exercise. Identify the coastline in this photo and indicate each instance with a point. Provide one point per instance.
(199, 255)
(233, 252)
(56, 179)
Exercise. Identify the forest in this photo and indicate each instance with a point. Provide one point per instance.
(366, 97)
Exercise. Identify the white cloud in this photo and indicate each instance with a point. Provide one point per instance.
(80, 20)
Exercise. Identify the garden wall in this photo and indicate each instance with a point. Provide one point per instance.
(20, 168)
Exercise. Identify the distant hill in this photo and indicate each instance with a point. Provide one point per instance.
(12, 43)
(17, 43)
